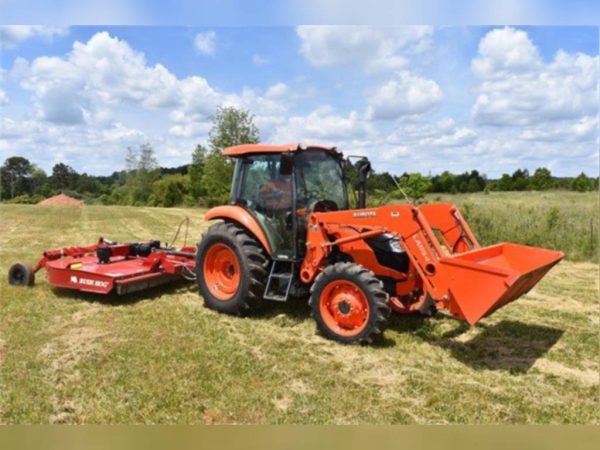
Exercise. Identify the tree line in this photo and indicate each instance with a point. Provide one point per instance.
(206, 180)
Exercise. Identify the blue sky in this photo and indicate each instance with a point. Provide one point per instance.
(296, 12)
(425, 98)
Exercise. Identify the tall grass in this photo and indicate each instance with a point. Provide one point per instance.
(566, 221)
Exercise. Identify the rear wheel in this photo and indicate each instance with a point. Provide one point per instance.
(231, 269)
(349, 304)
(21, 274)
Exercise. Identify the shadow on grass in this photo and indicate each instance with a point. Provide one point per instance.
(508, 345)
(112, 299)
(295, 310)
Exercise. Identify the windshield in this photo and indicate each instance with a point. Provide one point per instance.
(319, 177)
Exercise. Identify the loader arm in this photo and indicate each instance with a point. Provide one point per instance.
(347, 230)
(456, 274)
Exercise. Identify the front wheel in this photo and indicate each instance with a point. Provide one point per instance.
(349, 304)
(231, 269)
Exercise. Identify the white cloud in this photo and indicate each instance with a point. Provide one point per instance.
(424, 135)
(277, 90)
(3, 98)
(13, 35)
(107, 71)
(518, 89)
(47, 144)
(579, 130)
(531, 112)
(206, 43)
(102, 81)
(373, 49)
(405, 94)
(324, 126)
(259, 60)
(505, 50)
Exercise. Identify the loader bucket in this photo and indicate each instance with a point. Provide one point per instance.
(482, 280)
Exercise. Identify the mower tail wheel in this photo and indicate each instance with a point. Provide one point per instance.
(349, 304)
(21, 275)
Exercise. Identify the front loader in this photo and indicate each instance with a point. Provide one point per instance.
(289, 232)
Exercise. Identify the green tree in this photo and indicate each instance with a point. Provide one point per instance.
(414, 185)
(196, 170)
(380, 182)
(445, 182)
(473, 186)
(63, 177)
(216, 179)
(541, 180)
(16, 177)
(231, 126)
(477, 182)
(142, 171)
(582, 183)
(504, 183)
(520, 180)
(39, 181)
(170, 190)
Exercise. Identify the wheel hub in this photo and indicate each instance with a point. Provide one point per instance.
(344, 307)
(221, 271)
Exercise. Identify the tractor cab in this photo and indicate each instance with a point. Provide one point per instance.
(281, 185)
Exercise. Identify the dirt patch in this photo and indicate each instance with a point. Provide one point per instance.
(586, 377)
(300, 387)
(61, 199)
(283, 403)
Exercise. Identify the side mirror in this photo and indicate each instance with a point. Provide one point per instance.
(363, 167)
(286, 164)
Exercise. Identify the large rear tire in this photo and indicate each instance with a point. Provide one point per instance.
(231, 269)
(349, 304)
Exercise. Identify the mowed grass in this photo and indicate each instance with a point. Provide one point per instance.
(161, 357)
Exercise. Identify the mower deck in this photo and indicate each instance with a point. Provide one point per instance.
(110, 267)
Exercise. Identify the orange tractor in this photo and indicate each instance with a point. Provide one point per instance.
(289, 231)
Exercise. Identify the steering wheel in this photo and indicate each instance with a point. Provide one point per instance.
(323, 206)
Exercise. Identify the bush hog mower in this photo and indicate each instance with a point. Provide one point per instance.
(108, 267)
(289, 232)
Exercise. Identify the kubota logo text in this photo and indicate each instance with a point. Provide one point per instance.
(364, 214)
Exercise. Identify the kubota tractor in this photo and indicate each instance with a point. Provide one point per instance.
(289, 231)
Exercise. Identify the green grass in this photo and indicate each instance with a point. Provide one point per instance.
(161, 357)
(562, 220)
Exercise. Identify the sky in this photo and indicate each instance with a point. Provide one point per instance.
(412, 98)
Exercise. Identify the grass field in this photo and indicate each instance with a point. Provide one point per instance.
(161, 357)
(563, 220)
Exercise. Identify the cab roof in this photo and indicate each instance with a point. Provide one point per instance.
(248, 149)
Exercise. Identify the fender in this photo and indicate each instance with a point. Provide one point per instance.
(241, 216)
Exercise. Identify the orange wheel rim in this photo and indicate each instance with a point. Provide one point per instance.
(221, 271)
(344, 307)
